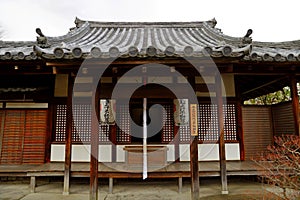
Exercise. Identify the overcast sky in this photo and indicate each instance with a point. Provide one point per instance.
(270, 20)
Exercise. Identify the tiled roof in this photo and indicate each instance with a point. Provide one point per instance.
(90, 39)
(17, 50)
(129, 39)
(275, 51)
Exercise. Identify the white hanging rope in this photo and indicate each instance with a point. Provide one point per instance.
(145, 173)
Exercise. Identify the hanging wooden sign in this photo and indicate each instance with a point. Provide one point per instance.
(107, 111)
(181, 112)
(193, 120)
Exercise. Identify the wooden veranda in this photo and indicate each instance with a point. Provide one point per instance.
(177, 170)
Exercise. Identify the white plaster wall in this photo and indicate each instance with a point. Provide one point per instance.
(232, 151)
(80, 153)
(206, 152)
(210, 152)
(120, 153)
(57, 152)
(184, 152)
(105, 153)
(171, 153)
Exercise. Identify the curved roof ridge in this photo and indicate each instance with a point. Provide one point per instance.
(295, 44)
(73, 33)
(79, 23)
(219, 35)
(5, 44)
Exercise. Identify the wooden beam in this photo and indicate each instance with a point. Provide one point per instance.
(264, 85)
(68, 149)
(133, 61)
(222, 156)
(295, 103)
(94, 147)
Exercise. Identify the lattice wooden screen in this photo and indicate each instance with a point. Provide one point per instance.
(185, 134)
(60, 125)
(81, 129)
(208, 122)
(168, 127)
(230, 129)
(123, 132)
(104, 133)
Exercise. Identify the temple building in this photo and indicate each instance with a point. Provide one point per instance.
(84, 98)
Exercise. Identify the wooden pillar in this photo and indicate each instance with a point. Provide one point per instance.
(240, 127)
(32, 184)
(49, 135)
(68, 138)
(94, 148)
(295, 103)
(222, 156)
(113, 128)
(176, 142)
(194, 164)
(194, 168)
(113, 140)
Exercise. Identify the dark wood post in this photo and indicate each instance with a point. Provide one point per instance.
(68, 150)
(194, 164)
(113, 128)
(94, 147)
(194, 168)
(295, 103)
(222, 155)
(240, 130)
(51, 114)
(176, 142)
(239, 115)
(113, 140)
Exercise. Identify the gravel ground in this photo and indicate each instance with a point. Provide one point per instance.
(136, 190)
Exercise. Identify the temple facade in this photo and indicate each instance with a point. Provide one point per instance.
(85, 96)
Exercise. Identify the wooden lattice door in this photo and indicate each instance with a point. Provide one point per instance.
(23, 136)
(13, 134)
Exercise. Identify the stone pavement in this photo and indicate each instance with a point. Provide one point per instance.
(131, 190)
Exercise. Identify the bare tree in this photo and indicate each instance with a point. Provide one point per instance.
(281, 165)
